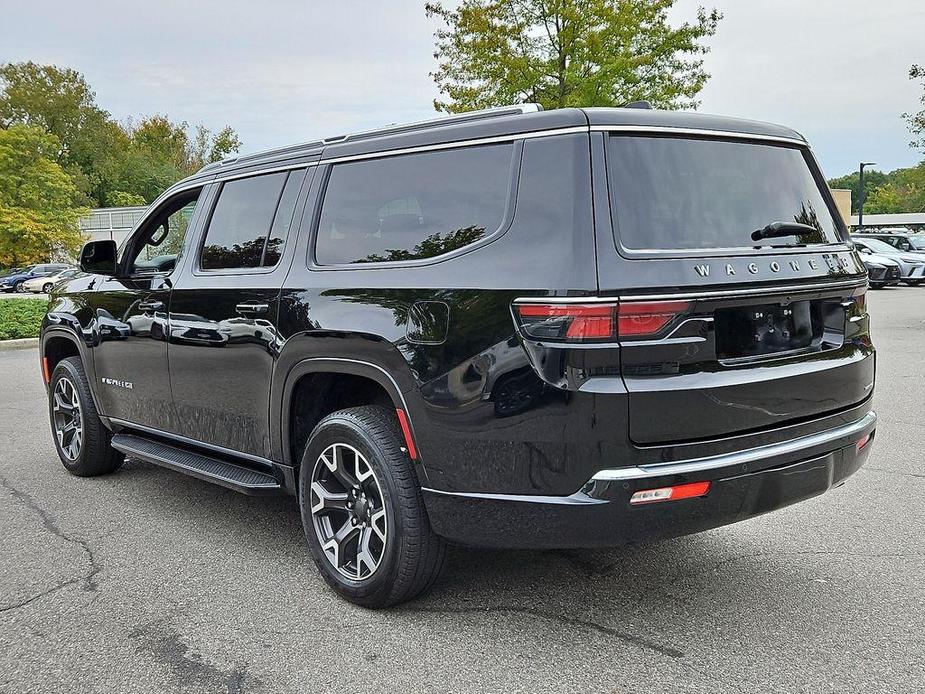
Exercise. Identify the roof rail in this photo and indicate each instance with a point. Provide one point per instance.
(493, 112)
(642, 103)
(392, 129)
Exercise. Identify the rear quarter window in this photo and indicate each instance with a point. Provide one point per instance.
(413, 206)
(671, 193)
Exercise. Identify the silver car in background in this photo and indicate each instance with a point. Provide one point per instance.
(911, 265)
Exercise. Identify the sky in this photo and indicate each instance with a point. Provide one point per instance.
(288, 71)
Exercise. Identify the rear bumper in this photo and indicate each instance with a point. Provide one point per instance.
(743, 484)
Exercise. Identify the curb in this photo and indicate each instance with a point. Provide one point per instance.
(25, 343)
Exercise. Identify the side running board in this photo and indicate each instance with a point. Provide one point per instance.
(204, 467)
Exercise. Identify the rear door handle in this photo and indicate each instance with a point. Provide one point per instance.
(151, 305)
(252, 308)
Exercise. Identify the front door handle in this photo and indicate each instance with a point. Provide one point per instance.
(252, 308)
(151, 305)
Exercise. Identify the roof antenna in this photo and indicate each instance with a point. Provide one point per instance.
(643, 104)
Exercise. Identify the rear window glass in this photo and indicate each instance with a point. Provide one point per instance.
(675, 193)
(413, 206)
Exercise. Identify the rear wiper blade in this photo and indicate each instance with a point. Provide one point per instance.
(778, 229)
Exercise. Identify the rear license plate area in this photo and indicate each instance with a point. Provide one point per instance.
(765, 330)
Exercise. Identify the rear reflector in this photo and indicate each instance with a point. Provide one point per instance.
(862, 444)
(679, 491)
(46, 374)
(406, 432)
(596, 322)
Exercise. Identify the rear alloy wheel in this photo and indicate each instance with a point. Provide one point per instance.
(362, 510)
(46, 288)
(347, 511)
(81, 439)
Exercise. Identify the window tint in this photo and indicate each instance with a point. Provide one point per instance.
(279, 232)
(674, 193)
(241, 221)
(413, 206)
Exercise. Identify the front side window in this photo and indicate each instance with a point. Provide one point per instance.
(413, 206)
(156, 245)
(671, 193)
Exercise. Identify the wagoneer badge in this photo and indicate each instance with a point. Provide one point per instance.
(834, 263)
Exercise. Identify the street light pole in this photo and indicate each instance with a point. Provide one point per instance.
(861, 193)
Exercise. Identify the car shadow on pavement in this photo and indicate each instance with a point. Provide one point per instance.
(647, 596)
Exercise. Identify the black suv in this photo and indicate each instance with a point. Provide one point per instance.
(511, 328)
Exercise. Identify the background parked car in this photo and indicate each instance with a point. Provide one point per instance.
(881, 270)
(11, 271)
(45, 283)
(911, 265)
(900, 239)
(14, 282)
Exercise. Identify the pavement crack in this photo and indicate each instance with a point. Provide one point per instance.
(187, 665)
(564, 620)
(50, 523)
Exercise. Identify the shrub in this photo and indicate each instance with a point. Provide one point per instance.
(21, 317)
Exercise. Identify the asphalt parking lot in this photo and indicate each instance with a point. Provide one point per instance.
(149, 581)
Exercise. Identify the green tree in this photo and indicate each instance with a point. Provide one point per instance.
(119, 198)
(916, 121)
(873, 179)
(904, 191)
(101, 156)
(39, 203)
(568, 53)
(59, 101)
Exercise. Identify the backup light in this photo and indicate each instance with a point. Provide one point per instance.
(678, 491)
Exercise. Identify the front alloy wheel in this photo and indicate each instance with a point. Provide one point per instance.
(348, 513)
(67, 417)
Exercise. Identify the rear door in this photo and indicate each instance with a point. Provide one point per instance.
(223, 313)
(724, 334)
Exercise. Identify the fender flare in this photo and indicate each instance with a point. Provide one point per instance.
(344, 365)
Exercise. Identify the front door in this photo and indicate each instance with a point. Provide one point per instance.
(130, 328)
(223, 313)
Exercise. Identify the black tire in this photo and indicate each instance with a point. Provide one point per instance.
(412, 555)
(18, 286)
(913, 283)
(877, 285)
(93, 455)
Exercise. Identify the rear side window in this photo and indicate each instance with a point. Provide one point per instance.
(675, 193)
(413, 206)
(250, 222)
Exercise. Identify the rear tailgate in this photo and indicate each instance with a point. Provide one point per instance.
(736, 363)
(754, 334)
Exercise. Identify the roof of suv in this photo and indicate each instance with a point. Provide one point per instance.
(498, 122)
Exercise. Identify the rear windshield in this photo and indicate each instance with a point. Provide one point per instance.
(675, 193)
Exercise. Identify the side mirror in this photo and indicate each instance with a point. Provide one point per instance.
(98, 257)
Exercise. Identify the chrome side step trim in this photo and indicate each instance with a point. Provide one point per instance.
(751, 455)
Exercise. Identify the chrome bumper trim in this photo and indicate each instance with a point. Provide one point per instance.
(751, 455)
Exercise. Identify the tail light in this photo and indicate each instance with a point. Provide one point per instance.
(596, 322)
